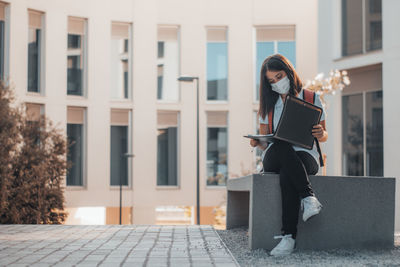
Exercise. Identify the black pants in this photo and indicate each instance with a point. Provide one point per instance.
(293, 168)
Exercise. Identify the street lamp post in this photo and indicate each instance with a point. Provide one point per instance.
(191, 79)
(127, 156)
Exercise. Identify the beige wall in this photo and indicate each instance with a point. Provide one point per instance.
(193, 17)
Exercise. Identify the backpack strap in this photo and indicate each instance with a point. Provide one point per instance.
(271, 121)
(321, 161)
(309, 96)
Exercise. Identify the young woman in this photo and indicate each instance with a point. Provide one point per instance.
(293, 163)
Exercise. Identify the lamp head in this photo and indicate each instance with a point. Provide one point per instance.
(187, 78)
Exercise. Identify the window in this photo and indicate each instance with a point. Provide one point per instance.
(120, 143)
(160, 73)
(363, 123)
(35, 51)
(361, 26)
(217, 64)
(3, 41)
(76, 150)
(120, 60)
(167, 148)
(168, 63)
(76, 56)
(217, 148)
(34, 113)
(271, 40)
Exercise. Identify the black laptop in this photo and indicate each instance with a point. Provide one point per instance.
(296, 123)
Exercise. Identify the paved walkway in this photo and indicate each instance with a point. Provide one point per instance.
(112, 245)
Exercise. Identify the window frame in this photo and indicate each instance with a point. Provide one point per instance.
(226, 126)
(42, 54)
(6, 43)
(84, 151)
(226, 29)
(363, 34)
(178, 152)
(84, 57)
(160, 61)
(42, 109)
(129, 144)
(364, 120)
(129, 57)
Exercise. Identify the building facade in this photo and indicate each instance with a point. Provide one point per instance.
(106, 72)
(362, 37)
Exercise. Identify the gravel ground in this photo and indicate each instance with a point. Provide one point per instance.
(236, 240)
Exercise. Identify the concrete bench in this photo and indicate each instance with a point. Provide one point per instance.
(358, 212)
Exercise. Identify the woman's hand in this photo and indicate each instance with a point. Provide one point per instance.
(318, 132)
(254, 142)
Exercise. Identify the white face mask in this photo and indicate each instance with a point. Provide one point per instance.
(282, 87)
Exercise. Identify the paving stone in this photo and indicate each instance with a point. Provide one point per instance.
(142, 259)
(154, 263)
(61, 264)
(41, 265)
(137, 255)
(232, 264)
(26, 261)
(112, 245)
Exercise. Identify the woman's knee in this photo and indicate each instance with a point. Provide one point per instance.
(314, 169)
(309, 162)
(284, 180)
(282, 144)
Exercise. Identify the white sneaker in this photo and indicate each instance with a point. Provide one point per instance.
(285, 247)
(310, 206)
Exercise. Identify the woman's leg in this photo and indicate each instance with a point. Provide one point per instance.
(289, 195)
(290, 205)
(309, 162)
(294, 168)
(294, 182)
(271, 162)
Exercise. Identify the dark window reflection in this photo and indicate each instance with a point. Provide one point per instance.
(125, 68)
(74, 75)
(74, 41)
(352, 27)
(160, 78)
(374, 123)
(167, 157)
(119, 163)
(356, 39)
(354, 119)
(217, 157)
(353, 157)
(34, 60)
(2, 36)
(75, 154)
(126, 45)
(160, 51)
(373, 24)
(75, 65)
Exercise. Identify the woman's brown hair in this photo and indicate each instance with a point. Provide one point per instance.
(268, 98)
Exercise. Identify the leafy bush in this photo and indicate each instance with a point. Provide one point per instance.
(33, 165)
